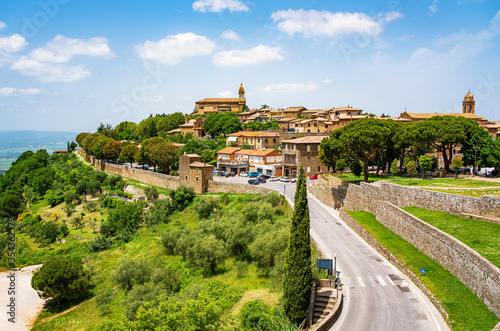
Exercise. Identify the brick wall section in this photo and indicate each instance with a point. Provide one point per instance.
(366, 197)
(392, 259)
(477, 273)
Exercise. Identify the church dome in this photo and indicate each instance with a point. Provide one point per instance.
(241, 90)
(469, 97)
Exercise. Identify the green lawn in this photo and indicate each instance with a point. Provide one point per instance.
(483, 237)
(465, 309)
(447, 182)
(468, 193)
(349, 177)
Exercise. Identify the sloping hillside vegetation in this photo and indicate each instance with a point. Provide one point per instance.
(186, 262)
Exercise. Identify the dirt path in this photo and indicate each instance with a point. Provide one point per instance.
(27, 303)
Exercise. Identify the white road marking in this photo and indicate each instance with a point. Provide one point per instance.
(360, 281)
(381, 280)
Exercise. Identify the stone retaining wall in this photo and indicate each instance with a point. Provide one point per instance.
(366, 236)
(145, 176)
(477, 273)
(224, 187)
(367, 196)
(330, 196)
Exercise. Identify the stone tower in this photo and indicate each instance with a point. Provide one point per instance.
(241, 93)
(469, 105)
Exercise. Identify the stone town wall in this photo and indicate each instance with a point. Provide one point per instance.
(145, 176)
(330, 190)
(367, 196)
(330, 196)
(477, 273)
(392, 259)
(223, 187)
(153, 178)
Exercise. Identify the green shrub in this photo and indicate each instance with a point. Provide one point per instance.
(100, 243)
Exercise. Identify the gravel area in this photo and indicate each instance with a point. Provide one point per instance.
(27, 302)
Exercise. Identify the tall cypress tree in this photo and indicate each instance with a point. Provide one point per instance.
(297, 278)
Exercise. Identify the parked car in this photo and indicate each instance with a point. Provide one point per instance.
(261, 179)
(253, 174)
(253, 181)
(293, 180)
(314, 176)
(243, 174)
(284, 179)
(273, 179)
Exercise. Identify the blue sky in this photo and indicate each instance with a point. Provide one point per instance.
(71, 64)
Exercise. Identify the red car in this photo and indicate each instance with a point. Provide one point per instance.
(314, 176)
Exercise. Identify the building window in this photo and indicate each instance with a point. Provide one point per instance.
(308, 159)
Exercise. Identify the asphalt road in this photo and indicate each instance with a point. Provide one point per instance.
(377, 295)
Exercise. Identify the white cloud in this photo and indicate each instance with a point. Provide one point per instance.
(2, 25)
(230, 35)
(173, 49)
(62, 49)
(12, 44)
(47, 63)
(316, 23)
(48, 72)
(216, 6)
(226, 94)
(256, 55)
(434, 8)
(327, 81)
(390, 16)
(14, 92)
(289, 88)
(455, 48)
(155, 99)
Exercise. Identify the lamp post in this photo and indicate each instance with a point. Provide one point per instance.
(475, 158)
(335, 269)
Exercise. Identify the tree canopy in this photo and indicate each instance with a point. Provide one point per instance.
(225, 123)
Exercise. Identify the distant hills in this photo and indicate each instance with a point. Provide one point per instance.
(14, 143)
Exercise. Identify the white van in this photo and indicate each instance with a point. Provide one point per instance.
(485, 172)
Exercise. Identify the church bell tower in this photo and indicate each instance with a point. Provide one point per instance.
(469, 105)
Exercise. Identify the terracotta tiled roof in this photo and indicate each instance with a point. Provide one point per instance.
(220, 100)
(228, 150)
(306, 140)
(293, 109)
(200, 165)
(429, 115)
(255, 152)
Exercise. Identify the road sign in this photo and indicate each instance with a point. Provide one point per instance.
(325, 264)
